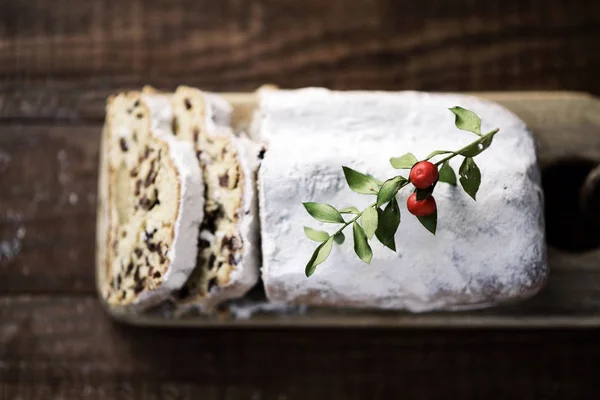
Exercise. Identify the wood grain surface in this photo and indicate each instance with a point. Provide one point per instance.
(59, 59)
(64, 347)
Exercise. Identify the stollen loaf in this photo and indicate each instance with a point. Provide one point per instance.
(485, 253)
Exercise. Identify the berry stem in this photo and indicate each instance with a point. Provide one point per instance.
(423, 176)
(353, 220)
(437, 164)
(457, 152)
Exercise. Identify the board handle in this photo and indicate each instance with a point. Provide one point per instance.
(589, 196)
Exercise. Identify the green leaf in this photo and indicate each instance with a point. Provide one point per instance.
(389, 220)
(317, 236)
(466, 120)
(404, 162)
(319, 256)
(339, 238)
(422, 194)
(470, 177)
(359, 182)
(324, 212)
(429, 222)
(447, 174)
(477, 148)
(437, 153)
(349, 210)
(389, 189)
(369, 221)
(361, 244)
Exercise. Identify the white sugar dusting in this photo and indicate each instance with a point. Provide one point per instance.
(247, 309)
(73, 198)
(10, 247)
(64, 176)
(484, 252)
(4, 161)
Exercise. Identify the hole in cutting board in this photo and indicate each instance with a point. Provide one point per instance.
(567, 226)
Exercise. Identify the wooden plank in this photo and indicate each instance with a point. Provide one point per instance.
(570, 299)
(48, 178)
(61, 58)
(67, 348)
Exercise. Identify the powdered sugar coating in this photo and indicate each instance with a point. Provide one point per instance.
(484, 253)
(191, 204)
(218, 113)
(161, 113)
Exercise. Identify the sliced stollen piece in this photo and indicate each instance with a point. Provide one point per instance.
(153, 198)
(125, 131)
(227, 263)
(484, 253)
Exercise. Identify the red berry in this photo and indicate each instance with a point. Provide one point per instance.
(423, 174)
(420, 208)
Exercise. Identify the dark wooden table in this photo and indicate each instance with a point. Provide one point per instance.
(59, 59)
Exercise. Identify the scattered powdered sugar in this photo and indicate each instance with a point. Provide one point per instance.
(64, 176)
(4, 161)
(245, 309)
(484, 252)
(73, 198)
(11, 247)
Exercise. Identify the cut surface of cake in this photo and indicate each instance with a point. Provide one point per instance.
(484, 253)
(151, 203)
(227, 260)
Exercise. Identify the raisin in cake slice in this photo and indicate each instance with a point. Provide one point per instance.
(484, 253)
(227, 263)
(152, 200)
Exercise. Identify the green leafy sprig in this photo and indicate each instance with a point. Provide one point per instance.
(382, 218)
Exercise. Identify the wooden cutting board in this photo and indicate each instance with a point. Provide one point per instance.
(567, 128)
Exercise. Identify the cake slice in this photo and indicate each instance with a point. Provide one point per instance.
(227, 261)
(484, 253)
(152, 203)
